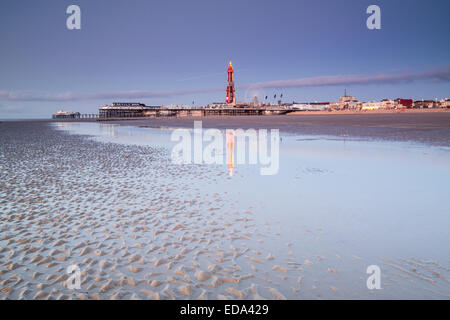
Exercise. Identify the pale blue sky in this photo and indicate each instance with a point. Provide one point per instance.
(162, 52)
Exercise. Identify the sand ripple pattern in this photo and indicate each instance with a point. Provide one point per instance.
(139, 227)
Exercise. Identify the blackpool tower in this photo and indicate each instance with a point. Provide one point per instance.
(230, 86)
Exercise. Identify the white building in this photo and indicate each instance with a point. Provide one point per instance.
(311, 106)
(347, 102)
(373, 105)
(444, 103)
(387, 104)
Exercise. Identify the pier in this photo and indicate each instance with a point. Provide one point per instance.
(232, 111)
(74, 115)
(177, 112)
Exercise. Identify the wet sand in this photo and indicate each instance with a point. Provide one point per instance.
(140, 227)
(137, 226)
(425, 127)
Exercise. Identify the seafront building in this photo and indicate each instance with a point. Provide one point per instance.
(404, 103)
(424, 104)
(387, 104)
(310, 106)
(444, 103)
(372, 105)
(347, 102)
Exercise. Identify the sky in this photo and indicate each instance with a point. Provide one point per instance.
(162, 52)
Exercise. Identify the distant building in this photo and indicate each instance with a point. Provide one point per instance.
(424, 104)
(371, 105)
(347, 102)
(311, 106)
(387, 104)
(444, 103)
(404, 103)
(66, 115)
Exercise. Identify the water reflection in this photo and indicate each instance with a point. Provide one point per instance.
(62, 125)
(230, 138)
(108, 129)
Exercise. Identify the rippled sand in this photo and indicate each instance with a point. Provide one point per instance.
(139, 227)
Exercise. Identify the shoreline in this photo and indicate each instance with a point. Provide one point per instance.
(429, 126)
(295, 113)
(383, 111)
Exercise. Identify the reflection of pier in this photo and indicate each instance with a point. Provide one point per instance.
(181, 112)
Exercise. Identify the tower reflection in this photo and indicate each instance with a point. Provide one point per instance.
(230, 150)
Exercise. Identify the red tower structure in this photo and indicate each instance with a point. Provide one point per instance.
(230, 86)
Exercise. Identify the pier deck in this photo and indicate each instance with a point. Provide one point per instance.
(181, 112)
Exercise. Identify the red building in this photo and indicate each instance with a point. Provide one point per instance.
(231, 98)
(405, 103)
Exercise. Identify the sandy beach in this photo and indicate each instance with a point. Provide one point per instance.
(126, 218)
(140, 227)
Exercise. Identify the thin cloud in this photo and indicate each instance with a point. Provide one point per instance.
(70, 96)
(437, 75)
(11, 108)
(202, 76)
(211, 75)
